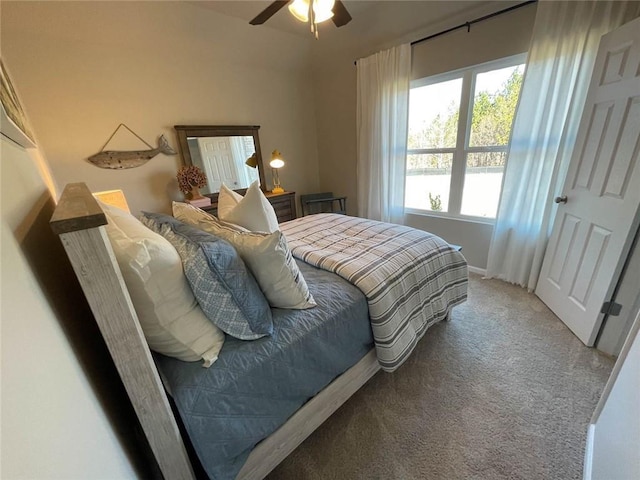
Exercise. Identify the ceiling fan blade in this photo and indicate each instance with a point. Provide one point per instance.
(340, 14)
(268, 12)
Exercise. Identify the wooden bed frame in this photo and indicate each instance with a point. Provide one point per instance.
(79, 221)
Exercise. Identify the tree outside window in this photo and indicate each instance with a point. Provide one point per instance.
(459, 130)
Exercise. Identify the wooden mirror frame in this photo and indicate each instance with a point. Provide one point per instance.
(188, 131)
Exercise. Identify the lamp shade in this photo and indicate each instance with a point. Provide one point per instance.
(322, 10)
(115, 198)
(277, 163)
(300, 9)
(276, 160)
(252, 161)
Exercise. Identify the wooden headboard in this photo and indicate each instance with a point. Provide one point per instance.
(79, 221)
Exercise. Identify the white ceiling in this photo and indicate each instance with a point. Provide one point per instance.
(370, 17)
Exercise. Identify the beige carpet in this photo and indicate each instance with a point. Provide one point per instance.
(503, 390)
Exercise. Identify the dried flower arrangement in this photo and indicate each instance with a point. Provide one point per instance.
(190, 179)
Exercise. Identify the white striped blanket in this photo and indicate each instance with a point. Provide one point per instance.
(411, 278)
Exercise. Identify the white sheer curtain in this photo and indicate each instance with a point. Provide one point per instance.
(563, 50)
(382, 122)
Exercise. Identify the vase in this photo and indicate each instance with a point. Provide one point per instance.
(197, 199)
(195, 193)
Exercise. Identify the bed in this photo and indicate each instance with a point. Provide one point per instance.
(313, 361)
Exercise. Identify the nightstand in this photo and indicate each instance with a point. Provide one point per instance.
(284, 205)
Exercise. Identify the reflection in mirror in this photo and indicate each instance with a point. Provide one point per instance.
(223, 160)
(222, 153)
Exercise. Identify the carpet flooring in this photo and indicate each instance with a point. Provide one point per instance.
(501, 391)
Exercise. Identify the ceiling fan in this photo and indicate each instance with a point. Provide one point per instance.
(312, 11)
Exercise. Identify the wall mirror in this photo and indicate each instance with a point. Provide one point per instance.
(222, 153)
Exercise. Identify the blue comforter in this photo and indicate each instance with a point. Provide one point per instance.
(255, 386)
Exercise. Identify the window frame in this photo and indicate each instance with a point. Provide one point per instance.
(462, 148)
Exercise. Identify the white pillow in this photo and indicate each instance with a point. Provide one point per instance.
(253, 211)
(171, 319)
(266, 254)
(227, 200)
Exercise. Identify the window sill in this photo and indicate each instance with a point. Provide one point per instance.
(450, 216)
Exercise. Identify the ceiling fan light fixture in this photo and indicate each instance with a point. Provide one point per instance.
(300, 9)
(322, 9)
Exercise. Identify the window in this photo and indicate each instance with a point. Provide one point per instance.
(459, 129)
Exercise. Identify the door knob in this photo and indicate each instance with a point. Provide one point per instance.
(562, 199)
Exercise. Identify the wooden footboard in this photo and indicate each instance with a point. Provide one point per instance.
(79, 221)
(275, 448)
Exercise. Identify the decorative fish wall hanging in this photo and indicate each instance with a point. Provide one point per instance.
(118, 160)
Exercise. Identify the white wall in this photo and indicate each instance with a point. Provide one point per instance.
(53, 425)
(335, 76)
(615, 432)
(85, 67)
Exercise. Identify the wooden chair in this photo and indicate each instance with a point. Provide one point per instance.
(323, 203)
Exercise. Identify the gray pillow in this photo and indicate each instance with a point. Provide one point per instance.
(225, 289)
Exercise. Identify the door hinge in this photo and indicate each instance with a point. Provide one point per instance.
(611, 308)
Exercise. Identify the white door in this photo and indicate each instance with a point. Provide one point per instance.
(594, 227)
(219, 165)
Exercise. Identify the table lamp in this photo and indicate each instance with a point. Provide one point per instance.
(276, 163)
(114, 198)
